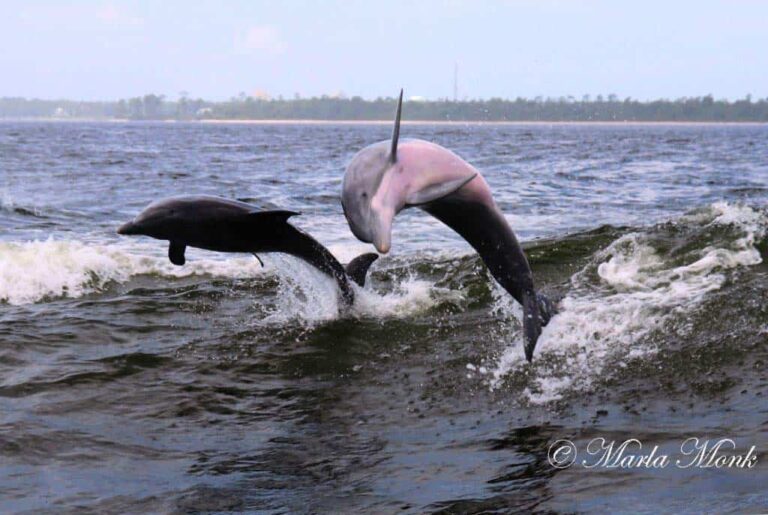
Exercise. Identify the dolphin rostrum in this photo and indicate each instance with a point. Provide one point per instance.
(387, 177)
(219, 224)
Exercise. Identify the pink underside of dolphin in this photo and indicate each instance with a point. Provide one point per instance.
(422, 165)
(384, 178)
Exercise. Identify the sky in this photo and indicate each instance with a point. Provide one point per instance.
(103, 50)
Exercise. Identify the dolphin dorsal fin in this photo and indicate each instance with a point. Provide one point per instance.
(275, 216)
(437, 191)
(396, 130)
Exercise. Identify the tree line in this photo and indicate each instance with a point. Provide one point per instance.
(599, 108)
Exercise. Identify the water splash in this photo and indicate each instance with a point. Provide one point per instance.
(35, 271)
(628, 291)
(39, 271)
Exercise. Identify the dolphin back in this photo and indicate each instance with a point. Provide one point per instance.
(303, 246)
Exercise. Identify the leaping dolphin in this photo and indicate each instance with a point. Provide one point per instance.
(387, 177)
(219, 224)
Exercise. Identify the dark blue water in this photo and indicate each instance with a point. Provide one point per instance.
(131, 385)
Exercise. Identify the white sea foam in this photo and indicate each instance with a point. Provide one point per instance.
(39, 270)
(308, 295)
(410, 296)
(636, 291)
(304, 293)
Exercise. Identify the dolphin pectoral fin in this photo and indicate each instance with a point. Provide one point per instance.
(274, 216)
(176, 253)
(531, 324)
(437, 191)
(358, 267)
(258, 258)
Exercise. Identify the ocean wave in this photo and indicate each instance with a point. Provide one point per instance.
(628, 285)
(8, 205)
(629, 290)
(37, 271)
(41, 271)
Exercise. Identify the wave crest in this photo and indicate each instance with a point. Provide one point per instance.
(43, 270)
(630, 289)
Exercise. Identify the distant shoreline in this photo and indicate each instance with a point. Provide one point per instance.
(226, 121)
(327, 110)
(467, 122)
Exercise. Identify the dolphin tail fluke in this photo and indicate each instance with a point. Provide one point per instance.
(357, 269)
(531, 324)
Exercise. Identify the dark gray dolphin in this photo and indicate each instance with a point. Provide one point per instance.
(214, 223)
(389, 176)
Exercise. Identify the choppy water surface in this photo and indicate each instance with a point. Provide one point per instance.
(128, 384)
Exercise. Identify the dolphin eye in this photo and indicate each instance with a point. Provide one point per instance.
(364, 194)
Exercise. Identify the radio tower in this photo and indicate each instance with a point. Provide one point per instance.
(455, 81)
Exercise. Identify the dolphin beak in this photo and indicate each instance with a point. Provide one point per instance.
(128, 229)
(382, 232)
(382, 243)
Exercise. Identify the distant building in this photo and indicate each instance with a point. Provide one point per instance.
(260, 94)
(204, 112)
(60, 112)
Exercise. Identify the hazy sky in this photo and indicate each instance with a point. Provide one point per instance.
(216, 49)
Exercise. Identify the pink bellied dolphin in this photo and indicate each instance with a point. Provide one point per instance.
(387, 177)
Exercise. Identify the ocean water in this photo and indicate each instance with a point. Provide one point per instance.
(130, 385)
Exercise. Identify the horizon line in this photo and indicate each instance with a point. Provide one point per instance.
(586, 98)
